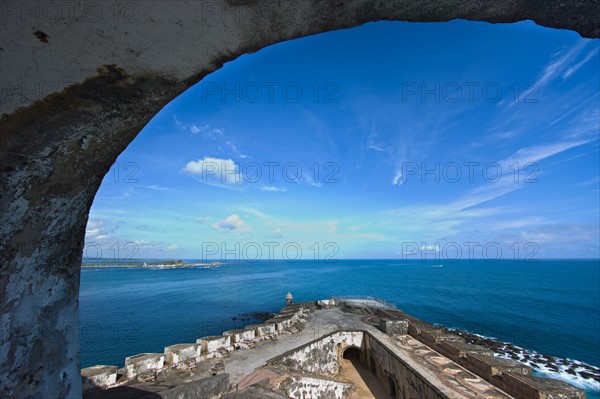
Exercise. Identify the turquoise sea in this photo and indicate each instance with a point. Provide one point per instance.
(548, 306)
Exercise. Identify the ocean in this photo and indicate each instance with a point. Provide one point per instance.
(549, 307)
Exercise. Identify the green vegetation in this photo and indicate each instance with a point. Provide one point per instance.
(172, 263)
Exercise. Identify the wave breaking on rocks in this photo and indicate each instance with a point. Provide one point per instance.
(575, 372)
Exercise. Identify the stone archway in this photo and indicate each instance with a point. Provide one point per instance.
(78, 85)
(351, 353)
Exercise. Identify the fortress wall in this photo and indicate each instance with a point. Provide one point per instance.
(146, 366)
(214, 346)
(297, 386)
(98, 377)
(265, 331)
(387, 366)
(321, 356)
(182, 354)
(509, 375)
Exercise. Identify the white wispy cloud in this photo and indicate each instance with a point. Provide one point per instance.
(232, 223)
(272, 189)
(375, 148)
(227, 144)
(561, 233)
(142, 248)
(396, 179)
(509, 181)
(575, 67)
(204, 129)
(517, 223)
(292, 227)
(450, 218)
(215, 170)
(232, 147)
(102, 240)
(255, 212)
(311, 181)
(593, 181)
(195, 129)
(551, 70)
(157, 188)
(430, 247)
(97, 230)
(333, 227)
(540, 152)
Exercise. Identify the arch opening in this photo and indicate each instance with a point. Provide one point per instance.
(361, 375)
(351, 353)
(43, 241)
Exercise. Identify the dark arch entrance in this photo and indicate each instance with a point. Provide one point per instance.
(352, 353)
(85, 102)
(365, 379)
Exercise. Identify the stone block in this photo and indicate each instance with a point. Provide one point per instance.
(241, 335)
(266, 330)
(457, 349)
(487, 366)
(182, 354)
(98, 377)
(213, 344)
(526, 386)
(144, 364)
(394, 327)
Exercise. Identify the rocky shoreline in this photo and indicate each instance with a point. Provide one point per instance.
(545, 364)
(260, 316)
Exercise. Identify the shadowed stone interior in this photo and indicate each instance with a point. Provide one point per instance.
(79, 82)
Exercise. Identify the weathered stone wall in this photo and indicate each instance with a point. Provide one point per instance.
(182, 355)
(146, 367)
(321, 356)
(301, 387)
(98, 377)
(79, 82)
(210, 387)
(385, 365)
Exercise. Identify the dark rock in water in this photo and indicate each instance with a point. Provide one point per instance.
(590, 376)
(571, 371)
(262, 316)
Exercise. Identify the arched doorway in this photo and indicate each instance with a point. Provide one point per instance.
(362, 376)
(57, 150)
(351, 353)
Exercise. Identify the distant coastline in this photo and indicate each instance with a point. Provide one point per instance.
(155, 264)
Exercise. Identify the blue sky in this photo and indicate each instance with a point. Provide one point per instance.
(390, 140)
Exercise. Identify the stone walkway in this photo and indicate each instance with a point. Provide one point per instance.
(367, 385)
(243, 362)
